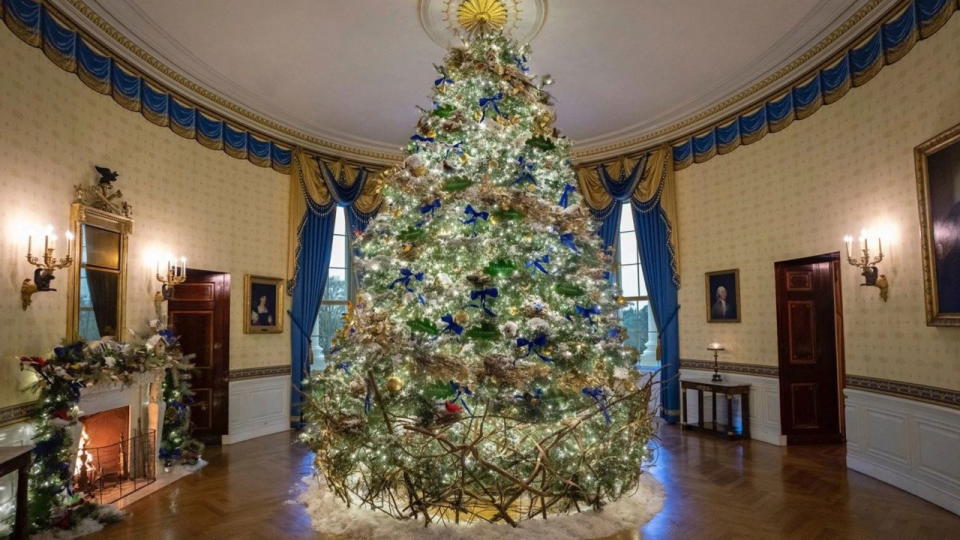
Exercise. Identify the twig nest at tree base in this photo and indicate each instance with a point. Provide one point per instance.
(330, 516)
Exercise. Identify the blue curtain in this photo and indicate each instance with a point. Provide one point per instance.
(652, 240)
(322, 192)
(313, 262)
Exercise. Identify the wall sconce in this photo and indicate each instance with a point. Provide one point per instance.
(867, 264)
(46, 265)
(175, 275)
(716, 348)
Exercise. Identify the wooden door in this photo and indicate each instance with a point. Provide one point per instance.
(809, 330)
(199, 313)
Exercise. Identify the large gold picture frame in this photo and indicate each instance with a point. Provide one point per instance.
(263, 305)
(938, 195)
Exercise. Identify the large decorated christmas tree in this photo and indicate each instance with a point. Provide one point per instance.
(481, 373)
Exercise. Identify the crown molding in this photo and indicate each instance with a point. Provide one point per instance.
(83, 16)
(730, 98)
(632, 139)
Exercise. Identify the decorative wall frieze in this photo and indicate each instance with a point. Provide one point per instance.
(932, 394)
(259, 372)
(16, 413)
(732, 367)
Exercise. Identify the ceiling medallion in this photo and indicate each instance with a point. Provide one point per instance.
(482, 15)
(449, 22)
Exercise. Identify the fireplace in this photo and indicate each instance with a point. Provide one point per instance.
(116, 438)
(111, 461)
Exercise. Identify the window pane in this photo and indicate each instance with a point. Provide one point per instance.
(642, 285)
(629, 280)
(628, 247)
(626, 218)
(329, 320)
(338, 259)
(641, 332)
(340, 227)
(336, 285)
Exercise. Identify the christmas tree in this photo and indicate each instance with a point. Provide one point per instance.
(482, 372)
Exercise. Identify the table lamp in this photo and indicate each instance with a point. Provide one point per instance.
(716, 348)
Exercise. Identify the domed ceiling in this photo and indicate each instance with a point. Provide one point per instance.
(628, 73)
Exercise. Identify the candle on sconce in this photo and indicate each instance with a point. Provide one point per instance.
(848, 240)
(69, 236)
(183, 266)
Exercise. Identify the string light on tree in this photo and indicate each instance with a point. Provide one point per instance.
(484, 354)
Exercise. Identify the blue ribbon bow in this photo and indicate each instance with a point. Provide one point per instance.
(444, 79)
(460, 391)
(565, 196)
(345, 366)
(452, 326)
(600, 398)
(483, 294)
(430, 208)
(527, 396)
(474, 215)
(420, 138)
(567, 240)
(405, 276)
(492, 101)
(521, 62)
(534, 345)
(537, 264)
(588, 313)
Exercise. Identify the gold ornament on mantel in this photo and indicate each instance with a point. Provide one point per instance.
(477, 16)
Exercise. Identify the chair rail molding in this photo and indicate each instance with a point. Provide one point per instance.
(764, 403)
(911, 444)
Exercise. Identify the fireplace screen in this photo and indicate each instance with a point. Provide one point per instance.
(105, 471)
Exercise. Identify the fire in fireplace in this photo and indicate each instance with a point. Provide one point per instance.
(113, 462)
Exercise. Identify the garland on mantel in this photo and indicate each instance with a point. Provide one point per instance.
(60, 378)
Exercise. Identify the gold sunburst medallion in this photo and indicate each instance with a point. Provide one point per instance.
(482, 15)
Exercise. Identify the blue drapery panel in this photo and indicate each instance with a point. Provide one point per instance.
(648, 185)
(653, 232)
(42, 25)
(316, 189)
(860, 61)
(313, 257)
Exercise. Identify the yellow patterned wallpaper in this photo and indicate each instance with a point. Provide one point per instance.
(798, 192)
(222, 213)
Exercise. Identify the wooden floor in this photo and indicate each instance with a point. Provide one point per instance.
(715, 490)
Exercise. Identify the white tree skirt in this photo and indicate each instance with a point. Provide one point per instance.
(330, 516)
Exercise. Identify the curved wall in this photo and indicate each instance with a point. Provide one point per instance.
(221, 213)
(799, 192)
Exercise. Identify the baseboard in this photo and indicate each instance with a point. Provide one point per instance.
(907, 443)
(258, 407)
(764, 403)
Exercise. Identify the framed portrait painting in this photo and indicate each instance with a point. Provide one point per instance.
(723, 296)
(262, 305)
(938, 190)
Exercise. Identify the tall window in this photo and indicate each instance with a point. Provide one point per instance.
(635, 314)
(336, 294)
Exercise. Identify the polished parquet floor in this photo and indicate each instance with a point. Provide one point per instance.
(715, 490)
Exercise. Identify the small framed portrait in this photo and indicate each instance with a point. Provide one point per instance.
(262, 305)
(938, 190)
(723, 296)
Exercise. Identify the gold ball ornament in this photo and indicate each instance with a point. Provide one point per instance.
(461, 317)
(394, 385)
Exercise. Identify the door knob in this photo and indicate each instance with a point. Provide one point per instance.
(216, 346)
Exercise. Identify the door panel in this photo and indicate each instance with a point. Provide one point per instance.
(808, 327)
(199, 313)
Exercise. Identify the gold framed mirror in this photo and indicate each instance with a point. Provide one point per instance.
(98, 277)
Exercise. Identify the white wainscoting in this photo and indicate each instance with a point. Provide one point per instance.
(258, 407)
(764, 404)
(911, 444)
